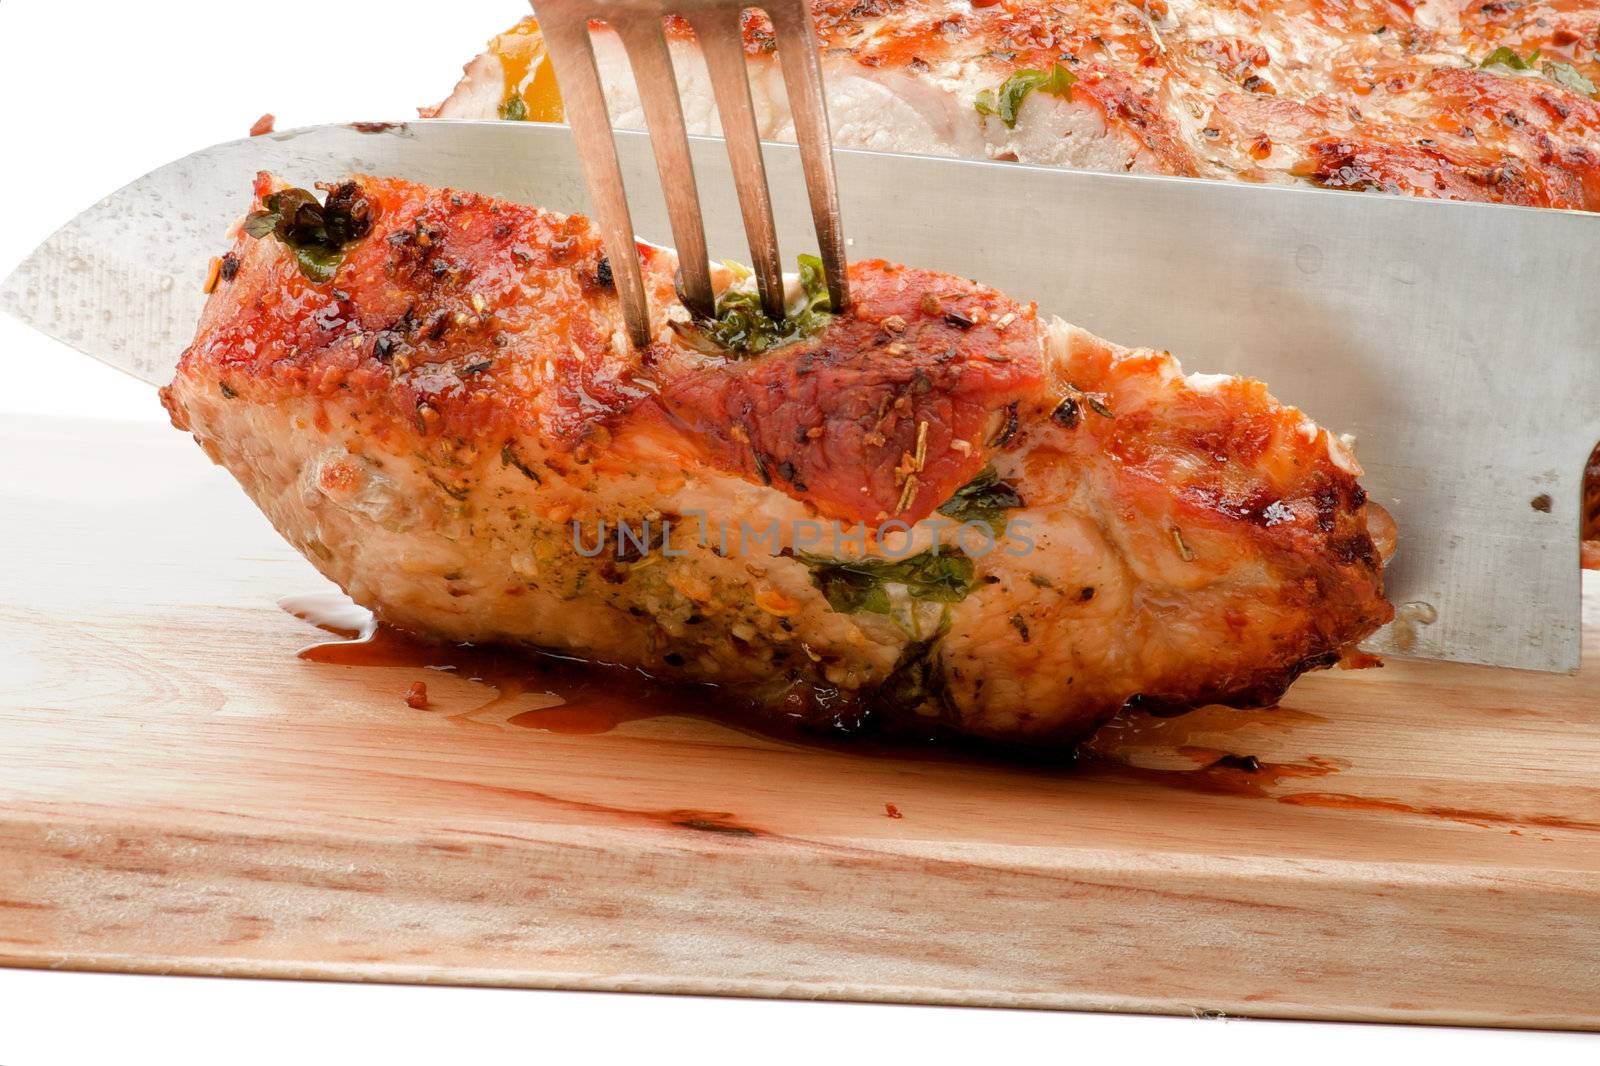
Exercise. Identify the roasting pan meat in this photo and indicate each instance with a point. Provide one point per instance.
(938, 510)
(1443, 98)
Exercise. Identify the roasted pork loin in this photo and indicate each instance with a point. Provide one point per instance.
(935, 510)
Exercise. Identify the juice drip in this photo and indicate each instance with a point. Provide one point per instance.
(585, 698)
(580, 697)
(1213, 770)
(1185, 751)
(1179, 752)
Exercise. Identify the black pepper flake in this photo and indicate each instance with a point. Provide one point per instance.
(230, 267)
(1021, 626)
(227, 393)
(383, 347)
(477, 368)
(958, 320)
(761, 467)
(1008, 430)
(1086, 594)
(1067, 413)
(602, 274)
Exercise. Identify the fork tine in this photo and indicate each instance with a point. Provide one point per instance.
(802, 81)
(572, 55)
(669, 139)
(722, 44)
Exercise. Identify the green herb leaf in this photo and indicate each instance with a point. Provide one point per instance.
(514, 108)
(983, 499)
(742, 327)
(317, 233)
(1506, 57)
(852, 585)
(318, 263)
(814, 282)
(848, 589)
(1568, 75)
(1006, 101)
(915, 680)
(261, 223)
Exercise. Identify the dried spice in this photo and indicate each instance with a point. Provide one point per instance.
(317, 233)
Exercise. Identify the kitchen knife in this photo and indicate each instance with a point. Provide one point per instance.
(1459, 342)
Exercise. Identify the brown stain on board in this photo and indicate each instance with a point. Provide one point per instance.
(723, 823)
(1471, 816)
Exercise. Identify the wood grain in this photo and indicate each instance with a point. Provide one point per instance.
(180, 793)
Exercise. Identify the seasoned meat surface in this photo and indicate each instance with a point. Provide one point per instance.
(937, 510)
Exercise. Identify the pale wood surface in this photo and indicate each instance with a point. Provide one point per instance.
(179, 792)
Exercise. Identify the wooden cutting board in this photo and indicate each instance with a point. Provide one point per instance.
(180, 793)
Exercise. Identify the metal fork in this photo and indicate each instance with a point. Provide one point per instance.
(716, 24)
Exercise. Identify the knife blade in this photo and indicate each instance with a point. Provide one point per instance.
(1456, 341)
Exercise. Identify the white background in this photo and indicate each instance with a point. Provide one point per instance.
(91, 96)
